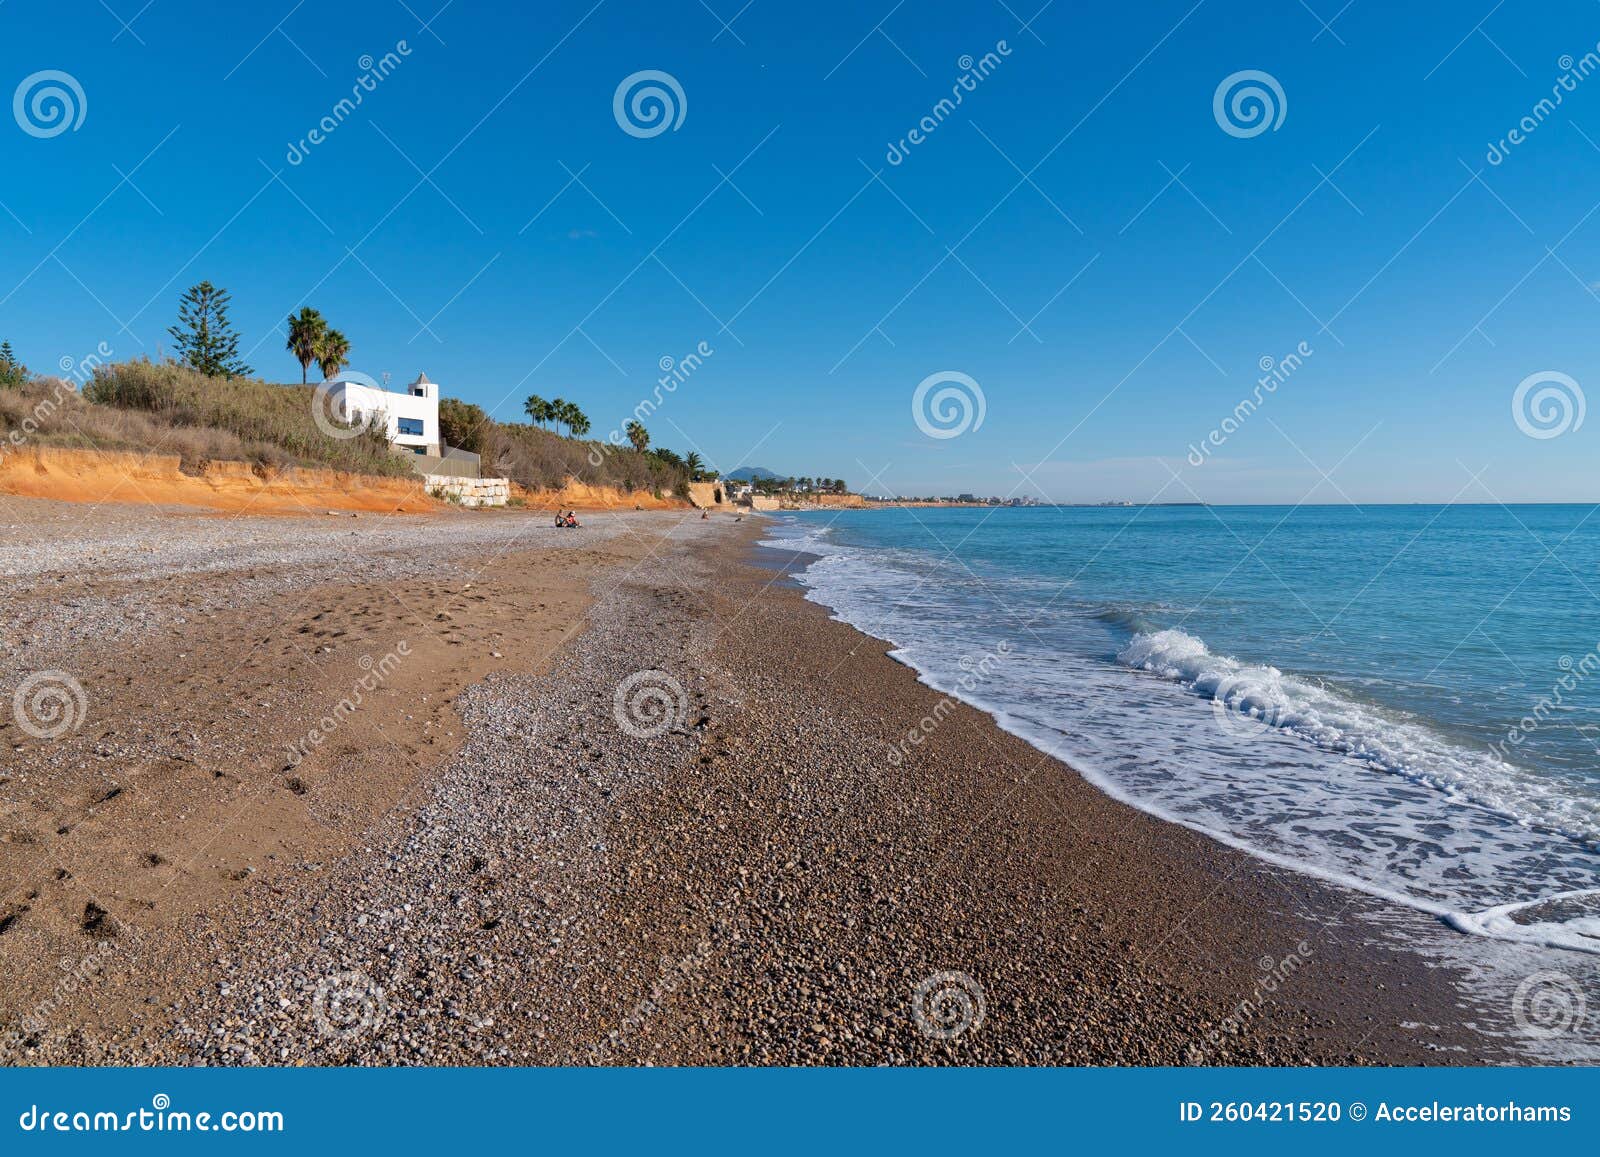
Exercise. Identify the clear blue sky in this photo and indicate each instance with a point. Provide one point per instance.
(827, 295)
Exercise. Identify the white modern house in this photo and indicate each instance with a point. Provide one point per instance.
(411, 419)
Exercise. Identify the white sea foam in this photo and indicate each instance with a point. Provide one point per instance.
(1337, 722)
(1287, 767)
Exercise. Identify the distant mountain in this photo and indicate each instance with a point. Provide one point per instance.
(754, 473)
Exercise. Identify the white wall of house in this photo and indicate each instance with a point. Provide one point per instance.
(411, 419)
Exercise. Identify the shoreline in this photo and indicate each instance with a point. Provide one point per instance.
(1406, 1010)
(754, 883)
(1503, 973)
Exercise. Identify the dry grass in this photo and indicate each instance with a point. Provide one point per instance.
(205, 418)
(46, 412)
(537, 459)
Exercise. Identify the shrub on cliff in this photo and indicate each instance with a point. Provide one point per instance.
(272, 424)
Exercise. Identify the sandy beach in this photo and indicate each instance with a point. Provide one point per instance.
(468, 789)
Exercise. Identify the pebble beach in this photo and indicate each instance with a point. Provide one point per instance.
(623, 797)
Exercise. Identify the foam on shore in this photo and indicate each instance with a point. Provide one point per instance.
(1289, 768)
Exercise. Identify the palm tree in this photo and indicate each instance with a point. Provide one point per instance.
(333, 352)
(577, 421)
(556, 414)
(638, 435)
(693, 462)
(306, 330)
(537, 409)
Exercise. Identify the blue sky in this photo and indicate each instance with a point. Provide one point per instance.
(1080, 237)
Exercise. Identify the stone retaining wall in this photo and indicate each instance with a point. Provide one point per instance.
(469, 491)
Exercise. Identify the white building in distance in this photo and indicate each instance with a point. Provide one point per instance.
(411, 419)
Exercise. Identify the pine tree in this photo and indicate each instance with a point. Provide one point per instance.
(12, 372)
(204, 338)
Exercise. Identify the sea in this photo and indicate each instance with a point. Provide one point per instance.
(1402, 700)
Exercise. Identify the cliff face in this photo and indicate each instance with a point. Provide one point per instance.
(155, 479)
(581, 496)
(91, 476)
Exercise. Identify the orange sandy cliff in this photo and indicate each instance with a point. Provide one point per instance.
(90, 476)
(155, 479)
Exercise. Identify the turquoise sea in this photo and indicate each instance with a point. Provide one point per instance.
(1404, 699)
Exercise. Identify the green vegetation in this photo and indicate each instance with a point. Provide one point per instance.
(12, 372)
(305, 338)
(799, 486)
(539, 459)
(557, 412)
(463, 425)
(271, 424)
(333, 354)
(205, 339)
(313, 343)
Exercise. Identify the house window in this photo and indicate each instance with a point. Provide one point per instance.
(411, 426)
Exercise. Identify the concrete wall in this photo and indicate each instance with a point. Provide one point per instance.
(470, 491)
(452, 464)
